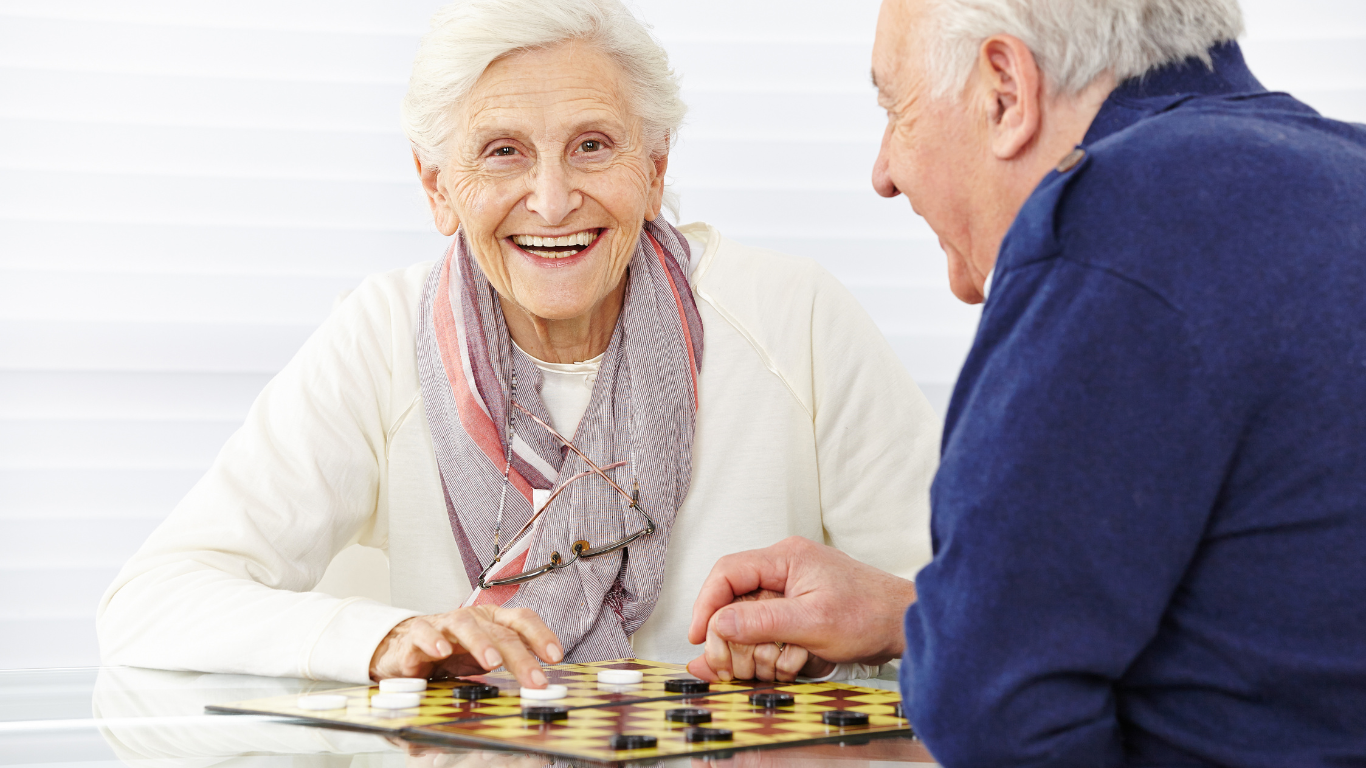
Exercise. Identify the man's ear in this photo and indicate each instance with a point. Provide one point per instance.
(656, 204)
(1012, 93)
(442, 211)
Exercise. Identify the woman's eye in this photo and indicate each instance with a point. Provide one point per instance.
(504, 151)
(592, 145)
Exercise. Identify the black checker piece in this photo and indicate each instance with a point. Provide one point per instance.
(623, 741)
(687, 686)
(772, 699)
(473, 692)
(844, 718)
(693, 735)
(546, 714)
(689, 715)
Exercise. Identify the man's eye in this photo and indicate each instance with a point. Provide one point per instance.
(504, 151)
(592, 145)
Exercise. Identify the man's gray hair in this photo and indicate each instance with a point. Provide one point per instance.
(466, 36)
(1076, 41)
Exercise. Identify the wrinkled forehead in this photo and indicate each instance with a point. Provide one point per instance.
(560, 84)
(897, 50)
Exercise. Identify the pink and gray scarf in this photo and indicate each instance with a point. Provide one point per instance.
(642, 409)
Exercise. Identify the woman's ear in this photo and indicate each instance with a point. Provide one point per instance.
(1012, 92)
(655, 203)
(443, 213)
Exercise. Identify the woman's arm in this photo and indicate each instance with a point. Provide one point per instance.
(221, 585)
(877, 439)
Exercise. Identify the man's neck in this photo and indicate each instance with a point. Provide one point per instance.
(1063, 122)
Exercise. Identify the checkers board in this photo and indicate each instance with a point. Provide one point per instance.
(588, 733)
(595, 717)
(440, 703)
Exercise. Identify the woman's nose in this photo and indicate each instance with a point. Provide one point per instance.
(553, 196)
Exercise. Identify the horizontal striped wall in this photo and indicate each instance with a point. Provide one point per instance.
(185, 187)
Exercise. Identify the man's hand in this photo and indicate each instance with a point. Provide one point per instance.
(468, 641)
(832, 605)
(765, 661)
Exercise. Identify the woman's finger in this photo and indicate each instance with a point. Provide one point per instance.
(411, 650)
(765, 657)
(535, 634)
(431, 641)
(464, 628)
(790, 662)
(516, 656)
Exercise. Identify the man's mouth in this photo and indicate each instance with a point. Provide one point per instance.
(557, 247)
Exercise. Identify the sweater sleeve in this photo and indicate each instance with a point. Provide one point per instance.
(220, 586)
(1078, 473)
(877, 438)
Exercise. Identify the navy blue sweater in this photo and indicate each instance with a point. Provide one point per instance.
(1150, 520)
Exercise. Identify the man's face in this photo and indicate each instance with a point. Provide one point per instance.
(932, 151)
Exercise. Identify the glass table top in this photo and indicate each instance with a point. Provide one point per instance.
(116, 716)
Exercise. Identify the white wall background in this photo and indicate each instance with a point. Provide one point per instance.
(185, 186)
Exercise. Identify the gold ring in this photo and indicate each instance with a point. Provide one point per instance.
(781, 646)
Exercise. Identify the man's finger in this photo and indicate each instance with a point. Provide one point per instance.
(699, 668)
(790, 662)
(765, 658)
(735, 575)
(765, 621)
(535, 634)
(717, 654)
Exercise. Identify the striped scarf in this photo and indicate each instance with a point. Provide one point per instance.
(642, 411)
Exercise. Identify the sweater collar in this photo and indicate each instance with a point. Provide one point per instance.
(1161, 89)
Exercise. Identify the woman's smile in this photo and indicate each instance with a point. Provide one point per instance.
(557, 250)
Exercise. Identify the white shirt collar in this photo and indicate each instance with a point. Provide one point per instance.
(986, 286)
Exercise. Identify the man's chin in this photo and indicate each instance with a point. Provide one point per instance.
(965, 289)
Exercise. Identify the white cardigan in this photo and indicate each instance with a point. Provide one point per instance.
(807, 424)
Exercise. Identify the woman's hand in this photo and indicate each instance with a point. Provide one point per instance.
(468, 641)
(724, 660)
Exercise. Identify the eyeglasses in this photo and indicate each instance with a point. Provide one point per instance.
(580, 549)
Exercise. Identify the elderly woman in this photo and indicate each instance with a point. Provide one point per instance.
(556, 429)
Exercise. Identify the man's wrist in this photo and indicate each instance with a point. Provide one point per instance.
(904, 596)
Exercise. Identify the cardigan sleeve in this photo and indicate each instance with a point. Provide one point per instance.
(877, 437)
(1079, 467)
(221, 585)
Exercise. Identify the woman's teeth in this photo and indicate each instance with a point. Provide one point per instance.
(555, 247)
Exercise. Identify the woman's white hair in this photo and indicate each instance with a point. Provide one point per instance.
(468, 35)
(1075, 41)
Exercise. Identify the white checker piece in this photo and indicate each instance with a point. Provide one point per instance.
(403, 685)
(548, 693)
(395, 700)
(620, 676)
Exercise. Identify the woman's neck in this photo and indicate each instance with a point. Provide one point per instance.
(566, 341)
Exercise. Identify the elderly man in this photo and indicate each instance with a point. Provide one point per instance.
(1150, 517)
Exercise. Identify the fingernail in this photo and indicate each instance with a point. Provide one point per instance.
(554, 654)
(492, 660)
(538, 677)
(724, 675)
(726, 625)
(443, 648)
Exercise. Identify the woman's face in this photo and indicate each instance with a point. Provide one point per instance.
(551, 179)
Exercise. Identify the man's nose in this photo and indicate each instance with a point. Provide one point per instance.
(553, 194)
(882, 174)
